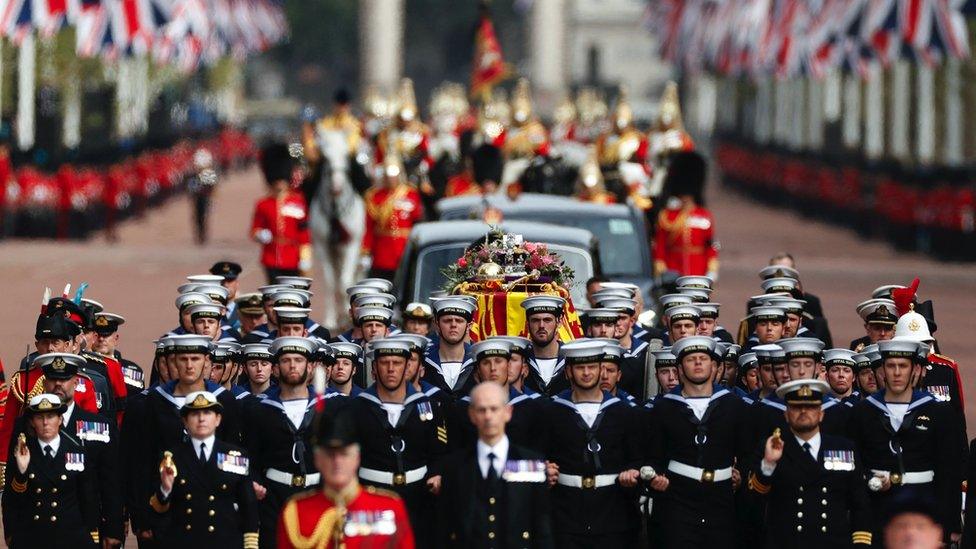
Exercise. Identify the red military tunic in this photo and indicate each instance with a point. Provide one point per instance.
(287, 219)
(390, 214)
(684, 241)
(373, 518)
(461, 185)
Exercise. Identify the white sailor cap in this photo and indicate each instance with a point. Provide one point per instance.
(612, 351)
(878, 311)
(602, 316)
(345, 349)
(779, 271)
(768, 313)
(611, 293)
(634, 289)
(899, 348)
(293, 344)
(374, 300)
(257, 351)
(582, 351)
(206, 279)
(268, 290)
(671, 300)
(779, 285)
(839, 357)
(700, 282)
(624, 305)
(748, 361)
(520, 345)
(664, 358)
(291, 298)
(491, 347)
(861, 361)
(884, 292)
(803, 391)
(191, 298)
(698, 295)
(299, 282)
(455, 306)
(790, 305)
(292, 315)
(770, 353)
(390, 347)
(189, 344)
(352, 292)
(418, 343)
(381, 284)
(708, 310)
(206, 310)
(693, 344)
(544, 304)
(227, 351)
(872, 352)
(802, 347)
(377, 314)
(215, 292)
(684, 312)
(731, 353)
(188, 287)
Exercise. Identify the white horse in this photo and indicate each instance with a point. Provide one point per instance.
(336, 205)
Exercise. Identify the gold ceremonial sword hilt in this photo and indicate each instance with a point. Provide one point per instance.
(167, 463)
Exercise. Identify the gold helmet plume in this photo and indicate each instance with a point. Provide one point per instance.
(406, 101)
(522, 102)
(669, 112)
(623, 115)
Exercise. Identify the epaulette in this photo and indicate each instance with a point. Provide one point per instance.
(382, 492)
(945, 358)
(93, 357)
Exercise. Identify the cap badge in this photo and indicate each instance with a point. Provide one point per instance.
(101, 321)
(58, 364)
(914, 325)
(883, 310)
(805, 391)
(200, 400)
(44, 404)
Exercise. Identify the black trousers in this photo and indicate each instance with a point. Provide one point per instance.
(596, 541)
(272, 273)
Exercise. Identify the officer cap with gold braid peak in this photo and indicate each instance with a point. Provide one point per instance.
(206, 310)
(583, 351)
(878, 311)
(292, 315)
(189, 344)
(489, 348)
(455, 306)
(803, 392)
(45, 403)
(227, 269)
(373, 314)
(693, 344)
(107, 323)
(802, 347)
(249, 304)
(291, 344)
(418, 311)
(201, 400)
(59, 365)
(297, 282)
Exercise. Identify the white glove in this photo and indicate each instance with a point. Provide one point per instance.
(305, 265)
(264, 236)
(365, 262)
(713, 275)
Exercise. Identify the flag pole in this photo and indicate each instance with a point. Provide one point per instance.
(26, 65)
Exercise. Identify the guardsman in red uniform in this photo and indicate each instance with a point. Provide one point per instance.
(280, 220)
(684, 239)
(392, 209)
(341, 513)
